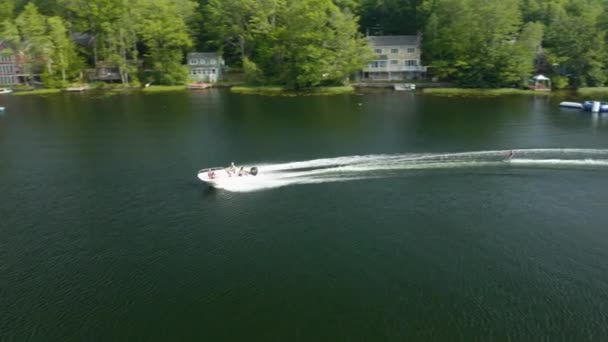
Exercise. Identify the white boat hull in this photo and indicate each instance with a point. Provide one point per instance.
(215, 176)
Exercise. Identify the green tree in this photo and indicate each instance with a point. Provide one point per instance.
(315, 43)
(475, 43)
(575, 41)
(163, 26)
(122, 39)
(390, 17)
(35, 42)
(63, 56)
(229, 22)
(7, 8)
(103, 19)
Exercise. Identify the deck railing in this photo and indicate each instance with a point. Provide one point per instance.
(388, 68)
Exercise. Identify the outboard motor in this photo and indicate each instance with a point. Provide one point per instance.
(254, 171)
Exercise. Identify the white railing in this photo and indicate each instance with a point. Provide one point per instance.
(388, 68)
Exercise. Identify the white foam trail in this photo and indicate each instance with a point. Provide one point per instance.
(249, 184)
(349, 168)
(561, 162)
(316, 163)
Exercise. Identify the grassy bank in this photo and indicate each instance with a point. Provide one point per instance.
(36, 92)
(471, 92)
(160, 88)
(593, 91)
(282, 91)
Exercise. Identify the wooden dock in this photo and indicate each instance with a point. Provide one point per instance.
(76, 89)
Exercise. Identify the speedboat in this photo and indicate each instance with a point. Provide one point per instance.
(213, 176)
(5, 91)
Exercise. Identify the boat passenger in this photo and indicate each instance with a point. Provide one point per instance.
(231, 169)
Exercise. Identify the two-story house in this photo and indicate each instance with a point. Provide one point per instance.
(9, 68)
(397, 58)
(205, 66)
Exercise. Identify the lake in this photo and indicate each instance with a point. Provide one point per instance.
(390, 216)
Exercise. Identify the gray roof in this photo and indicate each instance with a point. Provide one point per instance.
(204, 55)
(392, 40)
(83, 38)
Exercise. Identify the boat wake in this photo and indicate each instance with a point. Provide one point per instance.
(350, 168)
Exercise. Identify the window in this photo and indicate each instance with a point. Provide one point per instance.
(411, 62)
(378, 51)
(377, 64)
(212, 61)
(203, 61)
(194, 61)
(7, 80)
(213, 71)
(394, 50)
(411, 50)
(6, 69)
(394, 62)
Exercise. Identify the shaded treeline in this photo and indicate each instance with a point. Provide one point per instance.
(302, 43)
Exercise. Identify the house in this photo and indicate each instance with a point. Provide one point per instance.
(104, 72)
(397, 58)
(83, 39)
(205, 66)
(10, 69)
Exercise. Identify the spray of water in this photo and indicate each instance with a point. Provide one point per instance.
(350, 168)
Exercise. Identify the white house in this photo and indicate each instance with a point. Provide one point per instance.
(397, 58)
(205, 66)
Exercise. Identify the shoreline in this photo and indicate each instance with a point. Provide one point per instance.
(239, 88)
(482, 92)
(282, 91)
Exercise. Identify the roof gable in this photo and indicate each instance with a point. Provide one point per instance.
(82, 38)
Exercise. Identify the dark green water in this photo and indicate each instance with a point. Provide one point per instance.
(106, 234)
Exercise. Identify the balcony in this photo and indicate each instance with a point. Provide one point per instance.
(396, 68)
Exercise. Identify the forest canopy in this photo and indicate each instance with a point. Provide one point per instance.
(303, 43)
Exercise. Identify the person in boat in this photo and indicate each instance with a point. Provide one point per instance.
(231, 169)
(510, 154)
(242, 171)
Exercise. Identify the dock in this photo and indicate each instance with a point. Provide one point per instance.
(75, 89)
